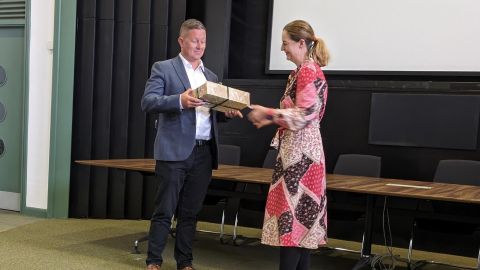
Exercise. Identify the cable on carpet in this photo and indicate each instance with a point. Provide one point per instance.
(386, 261)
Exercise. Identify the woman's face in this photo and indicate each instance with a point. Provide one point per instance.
(295, 51)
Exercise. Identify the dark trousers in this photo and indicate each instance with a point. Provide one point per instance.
(182, 186)
(294, 258)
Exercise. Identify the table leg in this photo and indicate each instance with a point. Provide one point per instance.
(366, 250)
(367, 236)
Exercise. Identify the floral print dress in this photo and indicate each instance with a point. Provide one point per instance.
(296, 209)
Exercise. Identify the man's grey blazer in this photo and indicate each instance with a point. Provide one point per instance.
(176, 128)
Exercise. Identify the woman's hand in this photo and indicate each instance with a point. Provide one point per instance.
(259, 116)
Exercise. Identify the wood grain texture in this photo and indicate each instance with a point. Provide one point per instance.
(347, 183)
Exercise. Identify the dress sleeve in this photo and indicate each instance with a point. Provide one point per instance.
(304, 109)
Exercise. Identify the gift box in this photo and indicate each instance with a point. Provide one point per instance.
(222, 98)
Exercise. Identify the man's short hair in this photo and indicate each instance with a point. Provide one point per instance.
(191, 24)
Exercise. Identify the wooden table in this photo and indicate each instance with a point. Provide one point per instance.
(357, 184)
(347, 183)
(225, 172)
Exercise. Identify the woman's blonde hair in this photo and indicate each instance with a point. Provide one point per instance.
(316, 48)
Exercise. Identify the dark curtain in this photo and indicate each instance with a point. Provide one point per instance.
(117, 42)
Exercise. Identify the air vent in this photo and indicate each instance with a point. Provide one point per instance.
(12, 12)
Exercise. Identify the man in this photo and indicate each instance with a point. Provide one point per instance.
(186, 144)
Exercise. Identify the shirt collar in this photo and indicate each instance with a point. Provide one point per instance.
(188, 65)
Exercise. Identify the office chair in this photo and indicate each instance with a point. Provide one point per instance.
(464, 172)
(358, 165)
(270, 159)
(255, 205)
(227, 155)
(347, 206)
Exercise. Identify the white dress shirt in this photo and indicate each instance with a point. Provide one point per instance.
(196, 77)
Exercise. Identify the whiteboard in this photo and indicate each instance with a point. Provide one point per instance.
(385, 35)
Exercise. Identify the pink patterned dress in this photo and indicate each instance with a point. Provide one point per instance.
(296, 210)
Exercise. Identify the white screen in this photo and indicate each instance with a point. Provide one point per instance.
(386, 35)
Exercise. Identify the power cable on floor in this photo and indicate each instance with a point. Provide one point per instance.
(386, 261)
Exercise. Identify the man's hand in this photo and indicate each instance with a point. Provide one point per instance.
(233, 113)
(189, 101)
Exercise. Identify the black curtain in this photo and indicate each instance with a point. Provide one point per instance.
(117, 42)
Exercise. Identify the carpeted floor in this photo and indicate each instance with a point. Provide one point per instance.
(107, 244)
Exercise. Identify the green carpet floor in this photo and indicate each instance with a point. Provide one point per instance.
(107, 244)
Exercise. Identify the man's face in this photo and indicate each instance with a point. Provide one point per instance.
(192, 44)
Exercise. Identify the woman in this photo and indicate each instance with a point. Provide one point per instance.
(295, 214)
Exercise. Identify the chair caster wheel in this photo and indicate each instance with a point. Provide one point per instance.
(223, 241)
(237, 242)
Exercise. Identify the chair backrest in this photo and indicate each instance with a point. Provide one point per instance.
(466, 172)
(356, 164)
(463, 172)
(270, 159)
(229, 154)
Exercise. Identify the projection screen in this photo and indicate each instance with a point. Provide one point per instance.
(385, 36)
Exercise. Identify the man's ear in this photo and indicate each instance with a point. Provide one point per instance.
(180, 41)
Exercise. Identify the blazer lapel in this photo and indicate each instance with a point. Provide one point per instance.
(180, 70)
(207, 76)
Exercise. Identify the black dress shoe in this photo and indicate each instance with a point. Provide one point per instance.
(153, 266)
